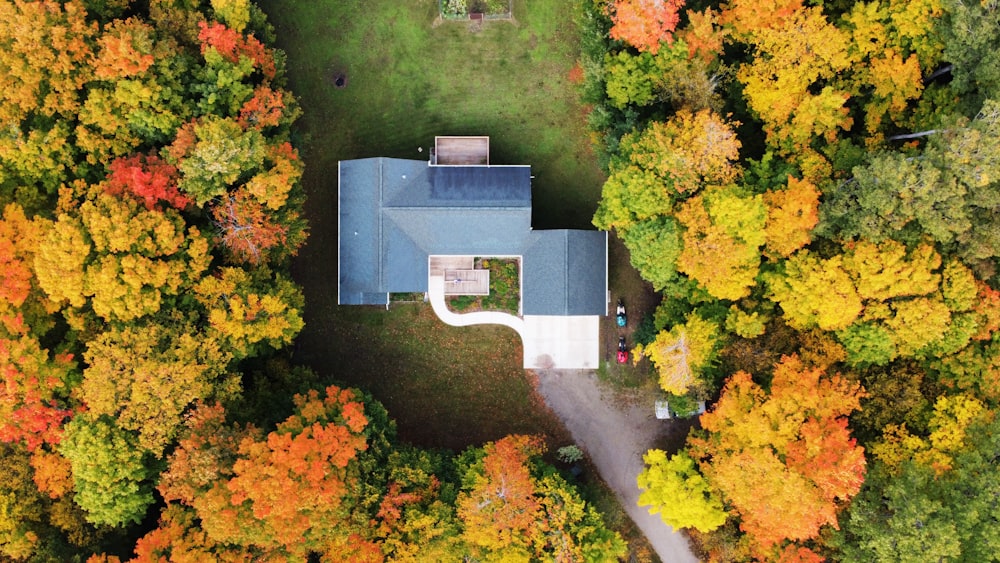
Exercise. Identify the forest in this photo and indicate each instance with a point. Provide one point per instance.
(810, 185)
(813, 188)
(151, 205)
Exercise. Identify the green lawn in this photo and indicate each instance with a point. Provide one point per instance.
(407, 81)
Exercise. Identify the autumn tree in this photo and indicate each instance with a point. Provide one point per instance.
(282, 492)
(179, 537)
(498, 509)
(34, 397)
(894, 44)
(110, 475)
(24, 307)
(47, 50)
(145, 376)
(792, 214)
(783, 459)
(36, 524)
(213, 154)
(22, 508)
(814, 292)
(416, 516)
(507, 508)
(675, 489)
(122, 260)
(146, 178)
(666, 162)
(682, 353)
(140, 92)
(723, 232)
(246, 229)
(785, 82)
(670, 75)
(948, 430)
(234, 13)
(248, 312)
(645, 24)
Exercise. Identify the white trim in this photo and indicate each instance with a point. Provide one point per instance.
(607, 290)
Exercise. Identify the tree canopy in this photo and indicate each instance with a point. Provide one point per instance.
(816, 178)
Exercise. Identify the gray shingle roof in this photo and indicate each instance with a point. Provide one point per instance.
(395, 213)
(565, 273)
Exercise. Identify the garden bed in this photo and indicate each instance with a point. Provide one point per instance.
(475, 9)
(505, 288)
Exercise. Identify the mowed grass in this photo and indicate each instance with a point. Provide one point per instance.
(407, 81)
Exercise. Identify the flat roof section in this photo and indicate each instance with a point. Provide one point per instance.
(461, 151)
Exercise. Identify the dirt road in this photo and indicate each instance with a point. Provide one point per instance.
(615, 434)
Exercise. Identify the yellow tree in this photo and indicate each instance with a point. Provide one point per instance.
(792, 213)
(674, 489)
(723, 233)
(146, 376)
(814, 292)
(666, 162)
(952, 418)
(681, 353)
(247, 312)
(797, 49)
(887, 270)
(892, 43)
(47, 48)
(120, 258)
(22, 302)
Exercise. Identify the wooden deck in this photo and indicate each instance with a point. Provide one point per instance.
(467, 282)
(461, 151)
(439, 264)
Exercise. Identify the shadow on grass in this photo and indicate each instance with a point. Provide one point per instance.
(445, 386)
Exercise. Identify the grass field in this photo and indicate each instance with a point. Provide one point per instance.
(409, 78)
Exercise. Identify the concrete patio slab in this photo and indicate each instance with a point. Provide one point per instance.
(561, 342)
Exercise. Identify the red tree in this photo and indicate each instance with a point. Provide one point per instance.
(232, 45)
(146, 178)
(264, 109)
(245, 227)
(645, 24)
(30, 384)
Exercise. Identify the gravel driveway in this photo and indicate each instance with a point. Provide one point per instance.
(615, 434)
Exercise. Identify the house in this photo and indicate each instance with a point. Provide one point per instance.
(398, 216)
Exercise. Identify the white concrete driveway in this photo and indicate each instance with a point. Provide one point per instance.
(548, 342)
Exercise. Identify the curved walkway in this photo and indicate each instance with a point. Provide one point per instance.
(571, 342)
(435, 291)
